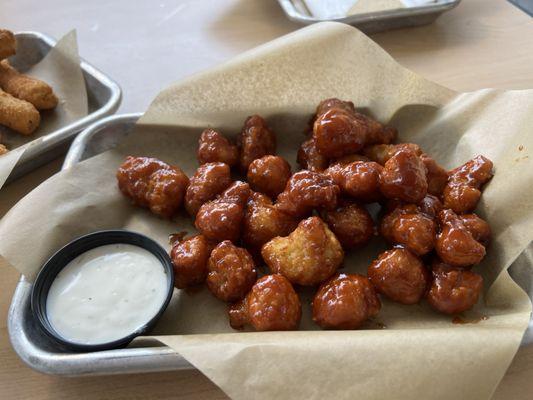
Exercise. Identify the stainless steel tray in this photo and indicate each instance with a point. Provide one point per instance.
(40, 353)
(297, 11)
(103, 95)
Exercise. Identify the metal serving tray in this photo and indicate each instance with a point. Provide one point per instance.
(44, 355)
(103, 95)
(297, 11)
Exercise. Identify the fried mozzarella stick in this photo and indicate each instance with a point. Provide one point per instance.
(8, 45)
(17, 114)
(24, 87)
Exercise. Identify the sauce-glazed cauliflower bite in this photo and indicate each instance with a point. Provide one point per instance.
(271, 305)
(189, 260)
(453, 291)
(221, 219)
(359, 179)
(345, 302)
(255, 141)
(351, 223)
(308, 256)
(153, 184)
(399, 275)
(231, 272)
(263, 221)
(478, 228)
(209, 180)
(269, 175)
(306, 191)
(215, 147)
(381, 153)
(309, 158)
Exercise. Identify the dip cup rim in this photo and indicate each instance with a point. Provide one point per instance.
(76, 247)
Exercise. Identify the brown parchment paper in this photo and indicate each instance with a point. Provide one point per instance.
(420, 354)
(61, 69)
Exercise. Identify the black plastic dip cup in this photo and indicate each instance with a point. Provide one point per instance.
(59, 260)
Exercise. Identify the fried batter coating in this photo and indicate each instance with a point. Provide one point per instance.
(271, 305)
(478, 228)
(18, 115)
(404, 177)
(399, 275)
(221, 219)
(27, 88)
(308, 256)
(215, 147)
(462, 192)
(306, 191)
(345, 302)
(309, 158)
(153, 184)
(350, 158)
(454, 291)
(358, 179)
(437, 176)
(381, 153)
(269, 175)
(351, 223)
(8, 44)
(430, 205)
(455, 243)
(231, 272)
(209, 180)
(333, 103)
(189, 260)
(263, 221)
(407, 226)
(255, 141)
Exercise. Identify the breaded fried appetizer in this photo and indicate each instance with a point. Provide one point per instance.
(189, 261)
(215, 147)
(269, 175)
(18, 115)
(255, 141)
(8, 44)
(3, 149)
(209, 180)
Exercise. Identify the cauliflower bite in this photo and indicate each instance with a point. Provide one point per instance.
(478, 228)
(358, 179)
(350, 158)
(453, 291)
(430, 205)
(189, 260)
(309, 158)
(271, 305)
(437, 176)
(381, 153)
(399, 275)
(462, 193)
(351, 223)
(215, 147)
(407, 226)
(209, 180)
(308, 256)
(263, 221)
(404, 177)
(231, 272)
(345, 302)
(269, 175)
(153, 184)
(306, 191)
(221, 219)
(455, 243)
(255, 141)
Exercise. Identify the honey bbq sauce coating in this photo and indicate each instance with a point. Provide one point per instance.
(345, 301)
(455, 243)
(359, 179)
(452, 290)
(271, 305)
(221, 219)
(209, 180)
(231, 272)
(462, 192)
(255, 141)
(215, 147)
(153, 184)
(308, 256)
(189, 260)
(269, 175)
(306, 191)
(309, 158)
(399, 275)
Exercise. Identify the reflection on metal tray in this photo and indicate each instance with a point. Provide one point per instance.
(103, 95)
(40, 353)
(298, 11)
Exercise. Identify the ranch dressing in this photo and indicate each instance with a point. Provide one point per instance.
(106, 294)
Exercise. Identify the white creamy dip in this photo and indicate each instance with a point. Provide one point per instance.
(106, 294)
